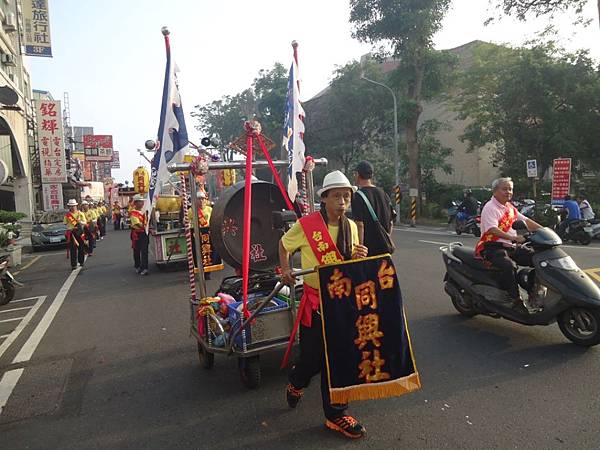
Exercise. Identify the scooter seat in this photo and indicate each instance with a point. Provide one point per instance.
(467, 255)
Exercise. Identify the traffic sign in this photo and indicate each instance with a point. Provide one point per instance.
(532, 170)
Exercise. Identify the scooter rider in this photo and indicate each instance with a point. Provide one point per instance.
(587, 212)
(469, 204)
(497, 245)
(571, 207)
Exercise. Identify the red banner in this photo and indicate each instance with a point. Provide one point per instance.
(561, 180)
(98, 147)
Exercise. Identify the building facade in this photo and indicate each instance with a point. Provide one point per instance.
(16, 116)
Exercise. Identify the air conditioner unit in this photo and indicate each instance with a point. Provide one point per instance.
(10, 23)
(8, 60)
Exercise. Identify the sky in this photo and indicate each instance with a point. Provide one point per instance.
(110, 55)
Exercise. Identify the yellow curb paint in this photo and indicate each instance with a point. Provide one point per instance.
(594, 273)
(26, 266)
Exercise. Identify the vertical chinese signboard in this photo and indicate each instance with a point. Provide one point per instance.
(116, 164)
(36, 24)
(561, 180)
(50, 141)
(53, 196)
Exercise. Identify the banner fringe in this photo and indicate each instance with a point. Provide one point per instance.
(373, 391)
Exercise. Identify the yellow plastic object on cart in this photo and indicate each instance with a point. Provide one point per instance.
(168, 204)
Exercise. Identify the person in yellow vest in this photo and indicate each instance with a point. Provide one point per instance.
(323, 237)
(75, 221)
(139, 236)
(116, 215)
(90, 228)
(101, 211)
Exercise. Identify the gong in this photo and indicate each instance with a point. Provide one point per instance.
(227, 225)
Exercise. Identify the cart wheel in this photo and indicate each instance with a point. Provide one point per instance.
(250, 371)
(207, 359)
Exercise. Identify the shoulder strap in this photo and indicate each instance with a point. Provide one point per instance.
(369, 207)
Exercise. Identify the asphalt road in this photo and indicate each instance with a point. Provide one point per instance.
(110, 364)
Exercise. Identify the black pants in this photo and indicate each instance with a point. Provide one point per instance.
(102, 225)
(117, 222)
(76, 252)
(311, 362)
(140, 252)
(504, 258)
(90, 233)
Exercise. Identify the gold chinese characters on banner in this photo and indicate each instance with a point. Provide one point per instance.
(141, 180)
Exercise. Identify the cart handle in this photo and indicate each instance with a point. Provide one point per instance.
(262, 305)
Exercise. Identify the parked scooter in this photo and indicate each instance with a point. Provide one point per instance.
(595, 224)
(578, 230)
(7, 282)
(557, 290)
(467, 224)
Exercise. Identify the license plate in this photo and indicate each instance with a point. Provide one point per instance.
(588, 229)
(56, 239)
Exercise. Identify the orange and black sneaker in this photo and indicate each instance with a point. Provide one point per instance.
(348, 426)
(293, 395)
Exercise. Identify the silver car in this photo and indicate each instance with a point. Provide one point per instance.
(49, 231)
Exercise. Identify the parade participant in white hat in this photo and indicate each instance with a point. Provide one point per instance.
(323, 237)
(75, 221)
(139, 236)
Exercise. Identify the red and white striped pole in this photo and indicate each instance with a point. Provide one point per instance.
(188, 239)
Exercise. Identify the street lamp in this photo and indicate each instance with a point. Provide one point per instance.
(396, 156)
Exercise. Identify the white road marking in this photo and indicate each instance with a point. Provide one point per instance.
(15, 309)
(23, 324)
(4, 336)
(27, 350)
(434, 242)
(24, 300)
(12, 320)
(7, 384)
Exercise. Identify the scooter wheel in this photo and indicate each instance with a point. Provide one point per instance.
(458, 232)
(207, 359)
(585, 239)
(7, 293)
(463, 306)
(477, 232)
(581, 326)
(250, 371)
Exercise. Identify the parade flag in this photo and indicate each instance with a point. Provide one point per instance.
(368, 352)
(293, 127)
(172, 132)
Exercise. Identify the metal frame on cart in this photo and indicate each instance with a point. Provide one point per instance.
(248, 357)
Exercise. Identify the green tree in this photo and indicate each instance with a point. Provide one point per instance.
(407, 28)
(265, 100)
(538, 102)
(349, 119)
(523, 8)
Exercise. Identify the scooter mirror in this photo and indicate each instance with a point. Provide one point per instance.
(519, 225)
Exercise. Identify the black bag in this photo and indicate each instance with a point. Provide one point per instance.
(387, 245)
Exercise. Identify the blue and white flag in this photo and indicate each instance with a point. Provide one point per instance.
(293, 129)
(172, 132)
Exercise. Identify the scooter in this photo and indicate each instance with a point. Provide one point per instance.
(467, 224)
(577, 231)
(557, 290)
(7, 282)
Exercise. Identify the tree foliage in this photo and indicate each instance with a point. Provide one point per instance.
(406, 28)
(265, 100)
(523, 8)
(350, 117)
(538, 102)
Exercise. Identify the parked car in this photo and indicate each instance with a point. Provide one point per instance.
(49, 231)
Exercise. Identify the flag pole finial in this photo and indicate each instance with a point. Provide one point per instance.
(165, 31)
(295, 44)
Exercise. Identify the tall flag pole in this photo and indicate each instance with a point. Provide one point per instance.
(293, 127)
(172, 132)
